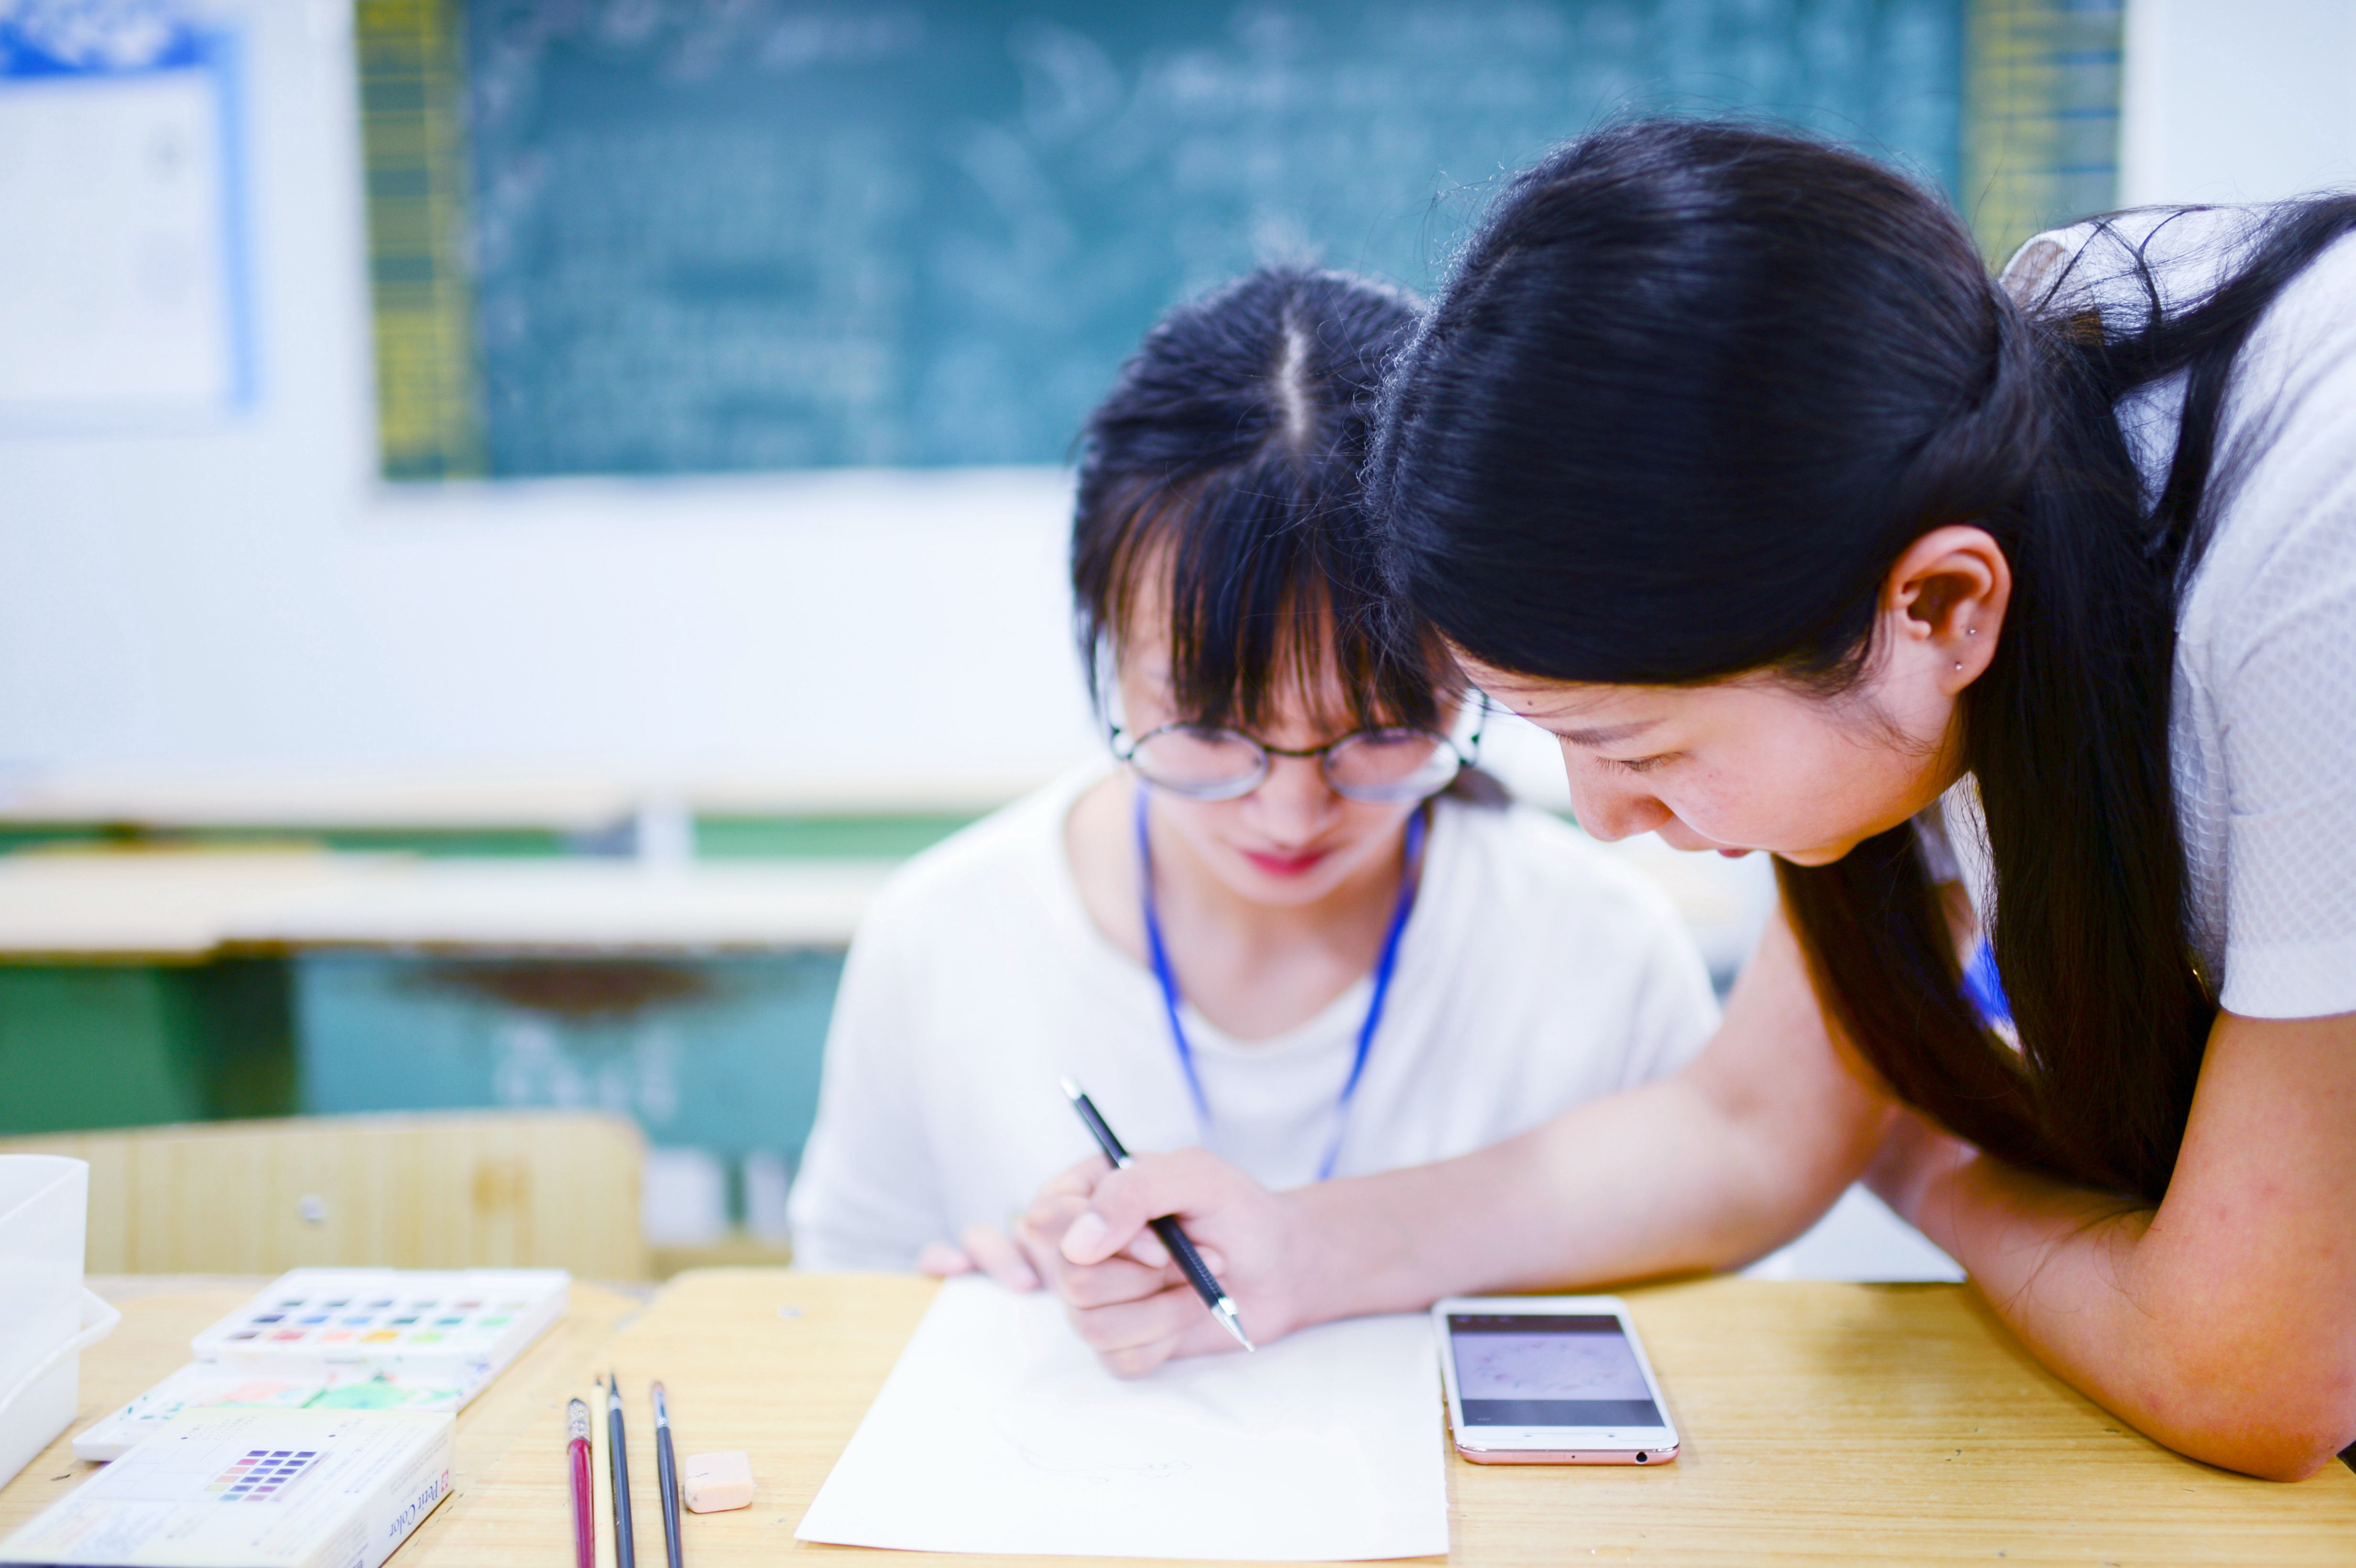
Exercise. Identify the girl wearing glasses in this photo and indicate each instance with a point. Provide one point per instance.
(1283, 920)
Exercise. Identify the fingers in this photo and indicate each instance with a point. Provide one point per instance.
(996, 1256)
(1131, 1339)
(1064, 1198)
(942, 1261)
(1125, 1200)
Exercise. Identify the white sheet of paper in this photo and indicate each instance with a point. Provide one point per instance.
(997, 1431)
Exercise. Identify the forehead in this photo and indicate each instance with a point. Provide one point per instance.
(1568, 701)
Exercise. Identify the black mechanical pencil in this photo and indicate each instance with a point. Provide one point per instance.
(1206, 1285)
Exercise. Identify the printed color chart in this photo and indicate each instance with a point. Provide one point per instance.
(262, 1474)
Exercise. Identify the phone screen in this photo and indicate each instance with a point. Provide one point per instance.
(1545, 1370)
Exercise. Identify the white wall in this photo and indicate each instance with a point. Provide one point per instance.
(2237, 99)
(247, 593)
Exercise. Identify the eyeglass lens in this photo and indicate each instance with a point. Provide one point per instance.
(1374, 765)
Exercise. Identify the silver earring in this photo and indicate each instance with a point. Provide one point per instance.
(1959, 664)
(1971, 631)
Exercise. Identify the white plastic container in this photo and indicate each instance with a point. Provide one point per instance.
(47, 1318)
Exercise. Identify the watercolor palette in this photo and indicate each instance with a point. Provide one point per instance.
(390, 1318)
(210, 1385)
(262, 1473)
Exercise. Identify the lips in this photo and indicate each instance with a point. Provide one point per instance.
(1277, 865)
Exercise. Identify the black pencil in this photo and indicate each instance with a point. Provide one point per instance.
(626, 1553)
(1205, 1284)
(667, 1477)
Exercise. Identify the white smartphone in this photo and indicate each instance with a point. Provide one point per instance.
(1549, 1379)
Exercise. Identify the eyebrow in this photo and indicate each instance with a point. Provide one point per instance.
(1606, 735)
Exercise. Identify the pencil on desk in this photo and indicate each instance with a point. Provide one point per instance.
(667, 1479)
(579, 1476)
(602, 1477)
(618, 1452)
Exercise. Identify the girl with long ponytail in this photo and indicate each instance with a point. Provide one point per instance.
(2018, 620)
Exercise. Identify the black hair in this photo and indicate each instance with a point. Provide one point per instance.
(1693, 390)
(1219, 482)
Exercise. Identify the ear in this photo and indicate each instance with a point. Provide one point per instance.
(1944, 603)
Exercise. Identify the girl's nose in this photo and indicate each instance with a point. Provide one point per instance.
(1295, 801)
(1608, 809)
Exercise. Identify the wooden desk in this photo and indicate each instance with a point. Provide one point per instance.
(1823, 1423)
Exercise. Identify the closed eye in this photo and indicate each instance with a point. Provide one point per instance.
(1638, 765)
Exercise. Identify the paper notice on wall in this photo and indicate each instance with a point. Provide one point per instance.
(120, 283)
(1324, 1444)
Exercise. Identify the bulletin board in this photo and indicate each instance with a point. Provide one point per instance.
(125, 293)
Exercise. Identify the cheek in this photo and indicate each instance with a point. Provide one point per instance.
(1202, 823)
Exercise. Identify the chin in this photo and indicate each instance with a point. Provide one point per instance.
(1820, 856)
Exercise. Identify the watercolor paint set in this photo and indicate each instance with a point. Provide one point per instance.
(240, 1488)
(463, 1323)
(210, 1385)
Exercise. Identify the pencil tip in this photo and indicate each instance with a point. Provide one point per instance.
(1072, 1090)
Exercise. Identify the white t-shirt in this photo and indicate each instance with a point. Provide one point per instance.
(1536, 972)
(2263, 719)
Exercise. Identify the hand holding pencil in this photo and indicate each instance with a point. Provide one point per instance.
(1127, 1294)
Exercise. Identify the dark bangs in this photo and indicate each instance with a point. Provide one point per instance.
(1219, 493)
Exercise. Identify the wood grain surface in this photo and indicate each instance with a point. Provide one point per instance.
(1822, 1423)
(439, 1189)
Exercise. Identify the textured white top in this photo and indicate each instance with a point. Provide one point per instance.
(2263, 723)
(1536, 972)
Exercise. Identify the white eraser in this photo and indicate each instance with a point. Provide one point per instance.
(714, 1482)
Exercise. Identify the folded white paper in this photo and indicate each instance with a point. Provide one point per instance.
(997, 1431)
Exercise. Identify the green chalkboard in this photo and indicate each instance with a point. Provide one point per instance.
(762, 234)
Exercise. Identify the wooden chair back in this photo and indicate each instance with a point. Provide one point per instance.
(461, 1189)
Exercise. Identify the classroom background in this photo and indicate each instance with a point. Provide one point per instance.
(515, 514)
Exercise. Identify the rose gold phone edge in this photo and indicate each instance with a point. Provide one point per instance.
(1663, 1455)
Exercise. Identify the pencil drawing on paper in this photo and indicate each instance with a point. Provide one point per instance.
(1071, 1418)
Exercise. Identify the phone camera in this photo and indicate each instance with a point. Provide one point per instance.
(1642, 1458)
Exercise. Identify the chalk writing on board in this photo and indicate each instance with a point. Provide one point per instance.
(748, 234)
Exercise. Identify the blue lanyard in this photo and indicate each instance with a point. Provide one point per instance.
(1384, 968)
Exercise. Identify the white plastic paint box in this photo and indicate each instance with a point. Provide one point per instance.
(47, 1318)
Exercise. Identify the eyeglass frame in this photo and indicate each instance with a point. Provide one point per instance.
(1467, 755)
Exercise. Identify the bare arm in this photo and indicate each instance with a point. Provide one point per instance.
(1705, 1170)
(2223, 1323)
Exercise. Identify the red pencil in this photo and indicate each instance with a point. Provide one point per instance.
(585, 1516)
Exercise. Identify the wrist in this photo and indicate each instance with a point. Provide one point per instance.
(1350, 1253)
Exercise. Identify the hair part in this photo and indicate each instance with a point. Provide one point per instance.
(1219, 496)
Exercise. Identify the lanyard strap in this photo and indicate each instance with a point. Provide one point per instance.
(1385, 967)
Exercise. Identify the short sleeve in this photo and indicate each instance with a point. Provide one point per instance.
(2274, 623)
(866, 1196)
